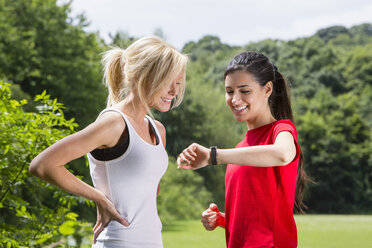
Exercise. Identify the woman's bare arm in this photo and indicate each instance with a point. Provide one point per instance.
(282, 152)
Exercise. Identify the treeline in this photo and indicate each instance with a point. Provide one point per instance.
(43, 48)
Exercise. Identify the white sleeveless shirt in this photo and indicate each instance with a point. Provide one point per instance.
(130, 182)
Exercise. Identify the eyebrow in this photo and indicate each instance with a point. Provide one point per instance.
(239, 86)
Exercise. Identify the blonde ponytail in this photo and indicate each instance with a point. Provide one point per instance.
(114, 77)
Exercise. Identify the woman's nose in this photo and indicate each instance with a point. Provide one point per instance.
(173, 89)
(235, 98)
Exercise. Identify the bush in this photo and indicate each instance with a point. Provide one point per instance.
(182, 194)
(32, 212)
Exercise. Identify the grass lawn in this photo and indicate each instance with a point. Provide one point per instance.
(190, 234)
(314, 231)
(329, 231)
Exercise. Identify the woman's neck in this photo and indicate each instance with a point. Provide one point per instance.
(260, 121)
(133, 108)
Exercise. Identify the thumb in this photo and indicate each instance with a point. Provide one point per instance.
(122, 221)
(213, 207)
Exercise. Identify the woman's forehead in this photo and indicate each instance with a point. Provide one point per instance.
(240, 79)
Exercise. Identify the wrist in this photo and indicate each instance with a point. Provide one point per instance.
(221, 220)
(100, 199)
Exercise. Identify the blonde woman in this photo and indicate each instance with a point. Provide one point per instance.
(124, 146)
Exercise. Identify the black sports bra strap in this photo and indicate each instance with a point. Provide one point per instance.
(153, 129)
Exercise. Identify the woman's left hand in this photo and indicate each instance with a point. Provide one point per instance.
(106, 212)
(194, 157)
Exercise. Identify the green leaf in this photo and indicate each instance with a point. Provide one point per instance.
(68, 227)
(71, 216)
(6, 149)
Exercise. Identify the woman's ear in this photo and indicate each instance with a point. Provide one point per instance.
(268, 88)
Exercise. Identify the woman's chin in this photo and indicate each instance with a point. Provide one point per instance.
(162, 109)
(239, 118)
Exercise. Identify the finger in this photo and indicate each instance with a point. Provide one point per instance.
(97, 233)
(120, 219)
(212, 223)
(188, 156)
(98, 223)
(209, 220)
(205, 222)
(207, 214)
(183, 159)
(192, 152)
(212, 220)
(213, 207)
(209, 227)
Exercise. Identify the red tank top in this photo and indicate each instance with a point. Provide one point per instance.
(259, 200)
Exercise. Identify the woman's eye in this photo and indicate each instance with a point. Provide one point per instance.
(245, 91)
(229, 92)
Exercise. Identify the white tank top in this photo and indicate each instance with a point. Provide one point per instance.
(130, 182)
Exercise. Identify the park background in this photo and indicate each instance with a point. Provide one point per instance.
(51, 86)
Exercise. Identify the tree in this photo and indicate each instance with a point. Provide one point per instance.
(42, 47)
(122, 39)
(32, 212)
(331, 32)
(182, 194)
(335, 140)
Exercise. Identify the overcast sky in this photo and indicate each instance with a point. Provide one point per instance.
(235, 22)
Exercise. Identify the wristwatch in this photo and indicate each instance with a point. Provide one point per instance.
(214, 155)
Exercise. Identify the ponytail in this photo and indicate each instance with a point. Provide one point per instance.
(114, 78)
(280, 100)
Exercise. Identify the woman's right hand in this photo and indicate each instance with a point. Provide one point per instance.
(194, 157)
(106, 212)
(212, 218)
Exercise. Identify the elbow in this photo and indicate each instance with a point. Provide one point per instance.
(282, 162)
(35, 168)
(284, 159)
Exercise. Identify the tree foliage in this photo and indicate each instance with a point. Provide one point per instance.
(182, 194)
(32, 212)
(43, 48)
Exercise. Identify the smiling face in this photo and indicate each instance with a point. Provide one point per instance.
(247, 99)
(163, 100)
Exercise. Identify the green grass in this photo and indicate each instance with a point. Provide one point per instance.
(329, 231)
(191, 234)
(314, 231)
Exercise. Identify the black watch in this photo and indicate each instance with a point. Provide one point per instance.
(214, 155)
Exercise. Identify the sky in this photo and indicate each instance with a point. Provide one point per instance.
(235, 22)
